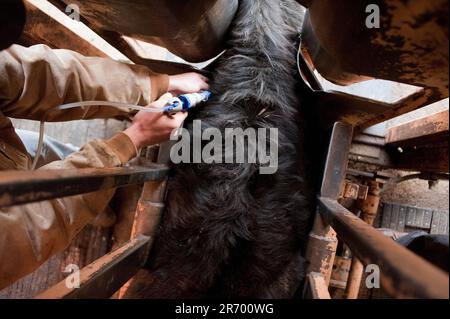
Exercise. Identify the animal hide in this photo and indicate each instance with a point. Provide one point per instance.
(229, 231)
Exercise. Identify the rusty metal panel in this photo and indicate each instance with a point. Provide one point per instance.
(26, 187)
(192, 29)
(55, 29)
(424, 130)
(341, 269)
(410, 46)
(336, 163)
(316, 287)
(322, 243)
(432, 158)
(106, 275)
(398, 266)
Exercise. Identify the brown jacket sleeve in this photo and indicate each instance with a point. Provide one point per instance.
(36, 79)
(32, 80)
(30, 234)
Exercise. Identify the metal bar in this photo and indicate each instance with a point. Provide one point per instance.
(354, 279)
(424, 97)
(26, 187)
(337, 158)
(369, 210)
(321, 249)
(147, 218)
(202, 24)
(429, 158)
(106, 275)
(316, 287)
(47, 25)
(402, 273)
(322, 243)
(427, 129)
(362, 112)
(149, 210)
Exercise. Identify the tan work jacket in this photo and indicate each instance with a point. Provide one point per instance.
(33, 80)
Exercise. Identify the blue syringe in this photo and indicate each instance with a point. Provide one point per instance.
(185, 102)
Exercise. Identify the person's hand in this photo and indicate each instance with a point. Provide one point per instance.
(187, 83)
(154, 128)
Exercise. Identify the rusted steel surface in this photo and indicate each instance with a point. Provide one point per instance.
(369, 210)
(419, 145)
(410, 103)
(151, 203)
(424, 158)
(370, 154)
(341, 269)
(197, 27)
(354, 279)
(403, 274)
(149, 209)
(321, 249)
(316, 287)
(90, 244)
(354, 191)
(158, 66)
(336, 162)
(425, 130)
(363, 112)
(410, 46)
(106, 275)
(414, 53)
(56, 31)
(26, 187)
(322, 242)
(124, 203)
(369, 205)
(116, 40)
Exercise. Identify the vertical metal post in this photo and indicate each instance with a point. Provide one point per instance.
(149, 209)
(322, 244)
(321, 248)
(151, 203)
(369, 209)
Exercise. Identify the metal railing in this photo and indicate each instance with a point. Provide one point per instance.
(106, 275)
(402, 273)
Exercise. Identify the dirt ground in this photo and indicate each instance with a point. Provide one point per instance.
(417, 193)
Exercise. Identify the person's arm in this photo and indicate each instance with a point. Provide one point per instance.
(36, 79)
(30, 234)
(29, 84)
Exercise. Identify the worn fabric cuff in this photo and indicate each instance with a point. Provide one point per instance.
(123, 147)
